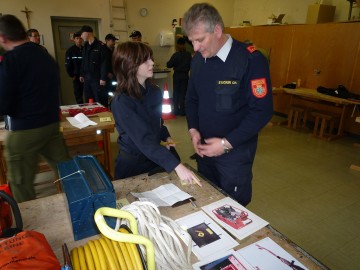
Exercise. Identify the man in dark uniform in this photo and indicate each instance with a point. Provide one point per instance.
(73, 59)
(110, 40)
(34, 37)
(94, 67)
(228, 102)
(180, 61)
(29, 98)
(136, 36)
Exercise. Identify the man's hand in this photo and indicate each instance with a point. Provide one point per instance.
(196, 140)
(102, 82)
(213, 147)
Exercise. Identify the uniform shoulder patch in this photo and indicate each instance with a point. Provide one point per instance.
(259, 87)
(251, 48)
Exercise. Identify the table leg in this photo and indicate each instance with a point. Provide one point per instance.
(355, 167)
(109, 164)
(341, 123)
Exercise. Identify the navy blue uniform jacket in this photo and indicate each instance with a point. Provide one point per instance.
(29, 87)
(231, 99)
(73, 59)
(141, 128)
(95, 61)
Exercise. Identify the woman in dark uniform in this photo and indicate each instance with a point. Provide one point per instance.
(137, 109)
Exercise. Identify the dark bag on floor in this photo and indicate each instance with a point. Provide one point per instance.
(340, 91)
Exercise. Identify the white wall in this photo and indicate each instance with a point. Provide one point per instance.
(42, 10)
(160, 15)
(257, 11)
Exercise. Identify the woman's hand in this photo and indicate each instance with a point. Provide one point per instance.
(170, 142)
(187, 175)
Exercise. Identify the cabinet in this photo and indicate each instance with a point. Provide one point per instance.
(319, 13)
(325, 54)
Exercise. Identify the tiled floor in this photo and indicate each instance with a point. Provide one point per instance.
(304, 188)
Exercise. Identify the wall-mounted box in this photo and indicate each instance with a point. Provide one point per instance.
(167, 38)
(319, 13)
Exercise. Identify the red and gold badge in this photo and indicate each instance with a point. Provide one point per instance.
(259, 87)
(251, 48)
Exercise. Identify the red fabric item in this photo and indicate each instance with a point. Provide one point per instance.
(6, 219)
(86, 111)
(28, 250)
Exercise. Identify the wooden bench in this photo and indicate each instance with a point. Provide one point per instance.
(324, 125)
(297, 117)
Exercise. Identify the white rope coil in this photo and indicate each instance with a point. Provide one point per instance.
(164, 233)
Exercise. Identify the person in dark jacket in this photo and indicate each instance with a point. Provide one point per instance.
(137, 112)
(228, 102)
(73, 60)
(29, 99)
(110, 40)
(180, 61)
(136, 36)
(94, 67)
(34, 37)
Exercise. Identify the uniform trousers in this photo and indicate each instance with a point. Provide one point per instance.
(22, 151)
(93, 89)
(231, 172)
(127, 165)
(180, 81)
(78, 90)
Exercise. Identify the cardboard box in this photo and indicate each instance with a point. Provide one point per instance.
(319, 13)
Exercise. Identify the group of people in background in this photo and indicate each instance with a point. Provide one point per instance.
(228, 101)
(90, 65)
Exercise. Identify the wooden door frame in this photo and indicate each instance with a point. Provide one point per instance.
(75, 23)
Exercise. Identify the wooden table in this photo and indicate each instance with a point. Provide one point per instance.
(310, 98)
(57, 227)
(76, 139)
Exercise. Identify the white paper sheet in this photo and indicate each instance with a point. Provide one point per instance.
(267, 255)
(80, 121)
(208, 238)
(234, 217)
(224, 260)
(165, 195)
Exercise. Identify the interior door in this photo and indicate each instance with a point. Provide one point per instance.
(63, 29)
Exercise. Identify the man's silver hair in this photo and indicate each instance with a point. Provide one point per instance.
(202, 13)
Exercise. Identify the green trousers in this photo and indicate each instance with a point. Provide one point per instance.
(22, 151)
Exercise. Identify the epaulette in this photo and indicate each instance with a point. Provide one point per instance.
(251, 48)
